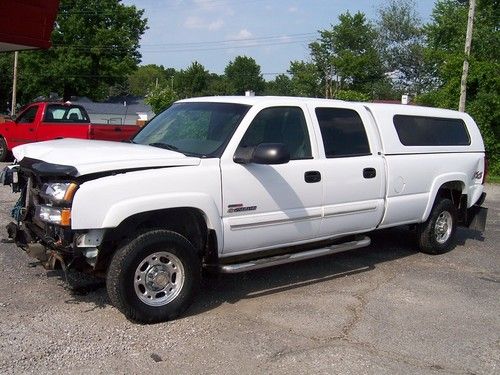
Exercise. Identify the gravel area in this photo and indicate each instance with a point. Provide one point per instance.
(381, 309)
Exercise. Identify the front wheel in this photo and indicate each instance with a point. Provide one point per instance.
(437, 234)
(154, 277)
(3, 149)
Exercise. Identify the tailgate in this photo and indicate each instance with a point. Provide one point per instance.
(113, 132)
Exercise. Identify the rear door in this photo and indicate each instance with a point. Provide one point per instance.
(353, 170)
(266, 206)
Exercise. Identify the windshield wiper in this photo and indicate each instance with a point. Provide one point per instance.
(166, 146)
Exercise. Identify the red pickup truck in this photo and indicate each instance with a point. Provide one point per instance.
(42, 121)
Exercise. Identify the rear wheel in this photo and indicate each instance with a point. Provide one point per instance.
(154, 277)
(3, 149)
(437, 234)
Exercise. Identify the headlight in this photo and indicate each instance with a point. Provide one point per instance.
(54, 215)
(59, 191)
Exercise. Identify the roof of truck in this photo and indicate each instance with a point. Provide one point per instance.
(259, 100)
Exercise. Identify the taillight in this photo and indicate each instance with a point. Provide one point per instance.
(485, 172)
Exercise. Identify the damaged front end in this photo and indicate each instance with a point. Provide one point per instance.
(42, 215)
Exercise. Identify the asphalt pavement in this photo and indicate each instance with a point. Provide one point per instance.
(384, 309)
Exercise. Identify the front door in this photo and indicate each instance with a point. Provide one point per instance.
(26, 126)
(266, 206)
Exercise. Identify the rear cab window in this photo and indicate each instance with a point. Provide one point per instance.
(67, 114)
(343, 132)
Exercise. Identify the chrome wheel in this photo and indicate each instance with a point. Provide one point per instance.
(443, 227)
(159, 278)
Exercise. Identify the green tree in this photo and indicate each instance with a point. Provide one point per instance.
(402, 45)
(305, 79)
(6, 64)
(281, 85)
(147, 77)
(160, 98)
(94, 46)
(347, 56)
(244, 74)
(217, 85)
(322, 52)
(446, 37)
(193, 81)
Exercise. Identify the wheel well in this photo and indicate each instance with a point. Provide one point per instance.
(453, 191)
(187, 221)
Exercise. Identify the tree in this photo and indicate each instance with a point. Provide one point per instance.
(244, 74)
(147, 77)
(193, 81)
(160, 98)
(6, 63)
(305, 79)
(347, 57)
(445, 52)
(94, 46)
(402, 45)
(281, 85)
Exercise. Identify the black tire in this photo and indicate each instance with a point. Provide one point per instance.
(3, 150)
(125, 291)
(437, 234)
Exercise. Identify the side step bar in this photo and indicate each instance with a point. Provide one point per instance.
(289, 258)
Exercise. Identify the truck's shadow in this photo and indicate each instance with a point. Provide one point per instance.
(387, 245)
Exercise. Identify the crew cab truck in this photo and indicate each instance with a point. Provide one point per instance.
(240, 183)
(43, 121)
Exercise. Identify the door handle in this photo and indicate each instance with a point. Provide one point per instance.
(312, 177)
(31, 129)
(369, 172)
(117, 129)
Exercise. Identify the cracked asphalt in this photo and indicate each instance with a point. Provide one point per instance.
(384, 309)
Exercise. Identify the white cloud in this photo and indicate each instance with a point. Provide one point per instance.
(242, 34)
(195, 22)
(215, 25)
(293, 9)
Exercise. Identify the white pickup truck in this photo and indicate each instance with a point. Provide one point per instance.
(240, 183)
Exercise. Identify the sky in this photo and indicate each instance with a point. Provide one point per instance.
(214, 32)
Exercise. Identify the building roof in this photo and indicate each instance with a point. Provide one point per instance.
(114, 106)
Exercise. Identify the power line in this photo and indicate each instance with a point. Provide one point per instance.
(271, 38)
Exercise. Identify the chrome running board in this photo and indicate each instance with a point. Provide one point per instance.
(294, 257)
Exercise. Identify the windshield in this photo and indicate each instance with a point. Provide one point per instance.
(197, 129)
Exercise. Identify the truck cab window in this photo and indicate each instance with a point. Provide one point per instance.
(28, 116)
(285, 125)
(343, 132)
(64, 114)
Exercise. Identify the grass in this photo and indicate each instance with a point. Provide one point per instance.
(493, 179)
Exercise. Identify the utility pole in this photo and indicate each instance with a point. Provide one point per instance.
(14, 86)
(468, 42)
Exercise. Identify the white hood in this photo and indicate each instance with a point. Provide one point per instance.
(100, 156)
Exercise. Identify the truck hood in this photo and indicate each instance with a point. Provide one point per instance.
(88, 156)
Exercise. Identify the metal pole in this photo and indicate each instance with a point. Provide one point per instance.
(468, 42)
(14, 86)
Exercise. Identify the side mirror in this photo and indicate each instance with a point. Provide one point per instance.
(264, 153)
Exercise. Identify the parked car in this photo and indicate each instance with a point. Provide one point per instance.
(239, 183)
(43, 121)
